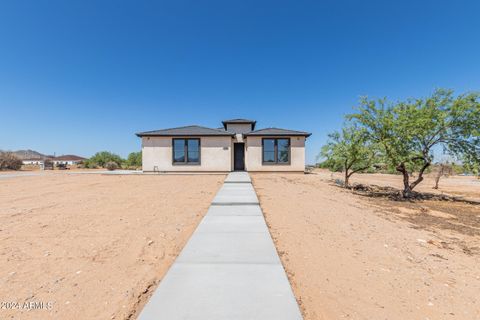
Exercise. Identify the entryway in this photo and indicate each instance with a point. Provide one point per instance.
(239, 156)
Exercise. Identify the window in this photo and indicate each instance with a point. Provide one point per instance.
(186, 151)
(276, 151)
(269, 150)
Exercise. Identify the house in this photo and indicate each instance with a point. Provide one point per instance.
(33, 161)
(68, 159)
(238, 145)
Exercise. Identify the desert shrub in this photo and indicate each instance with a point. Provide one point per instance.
(9, 161)
(458, 168)
(100, 159)
(134, 160)
(323, 164)
(89, 164)
(111, 165)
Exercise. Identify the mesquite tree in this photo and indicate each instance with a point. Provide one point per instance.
(409, 131)
(349, 151)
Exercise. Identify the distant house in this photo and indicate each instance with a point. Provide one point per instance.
(68, 159)
(237, 146)
(33, 161)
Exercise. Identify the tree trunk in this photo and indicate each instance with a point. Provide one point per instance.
(347, 176)
(437, 180)
(443, 170)
(407, 187)
(407, 190)
(420, 175)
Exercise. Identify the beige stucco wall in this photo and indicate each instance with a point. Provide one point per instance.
(253, 155)
(215, 154)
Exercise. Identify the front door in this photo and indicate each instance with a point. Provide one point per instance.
(239, 156)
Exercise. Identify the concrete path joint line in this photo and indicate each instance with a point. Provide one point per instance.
(232, 263)
(236, 182)
(234, 203)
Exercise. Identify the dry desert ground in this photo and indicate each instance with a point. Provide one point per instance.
(94, 246)
(350, 256)
(464, 186)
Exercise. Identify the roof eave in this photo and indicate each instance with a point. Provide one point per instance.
(306, 134)
(239, 121)
(140, 135)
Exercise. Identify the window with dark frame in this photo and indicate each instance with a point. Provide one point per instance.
(276, 150)
(186, 151)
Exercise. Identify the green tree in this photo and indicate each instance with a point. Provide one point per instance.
(409, 131)
(134, 159)
(458, 168)
(472, 167)
(348, 151)
(100, 159)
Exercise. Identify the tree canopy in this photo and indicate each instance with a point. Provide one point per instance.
(349, 151)
(408, 131)
(134, 159)
(100, 159)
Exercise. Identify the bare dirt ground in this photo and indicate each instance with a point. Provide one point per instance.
(464, 186)
(94, 246)
(354, 257)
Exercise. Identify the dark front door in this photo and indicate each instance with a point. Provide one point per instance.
(239, 156)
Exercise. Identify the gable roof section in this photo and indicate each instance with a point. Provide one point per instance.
(277, 132)
(185, 131)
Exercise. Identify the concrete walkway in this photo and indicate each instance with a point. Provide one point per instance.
(229, 268)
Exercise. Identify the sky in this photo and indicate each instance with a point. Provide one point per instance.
(80, 76)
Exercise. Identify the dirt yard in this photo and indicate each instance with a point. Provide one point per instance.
(464, 186)
(355, 257)
(89, 246)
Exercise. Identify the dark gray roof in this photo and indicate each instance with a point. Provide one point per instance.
(239, 121)
(277, 132)
(186, 131)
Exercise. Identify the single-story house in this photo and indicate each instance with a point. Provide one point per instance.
(33, 161)
(68, 159)
(236, 146)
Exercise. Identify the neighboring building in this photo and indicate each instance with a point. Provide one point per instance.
(236, 146)
(33, 161)
(68, 159)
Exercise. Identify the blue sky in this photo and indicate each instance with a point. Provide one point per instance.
(84, 76)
